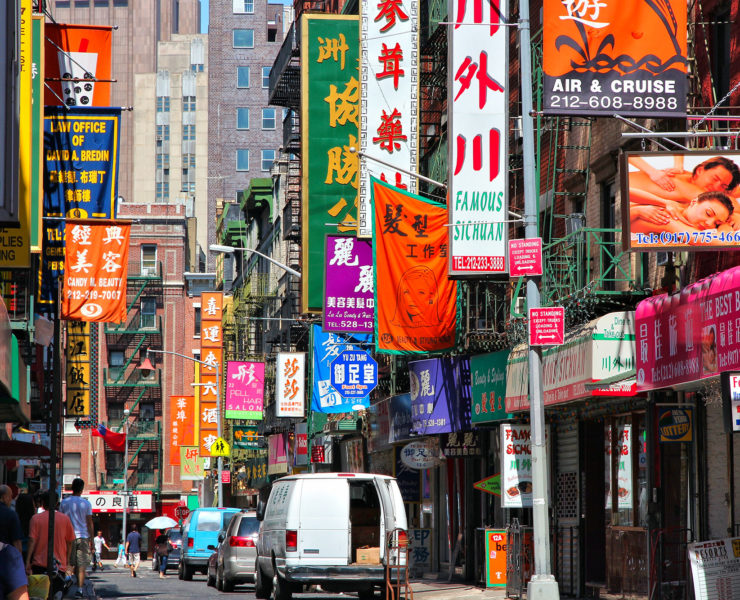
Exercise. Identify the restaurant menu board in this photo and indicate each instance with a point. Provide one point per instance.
(715, 566)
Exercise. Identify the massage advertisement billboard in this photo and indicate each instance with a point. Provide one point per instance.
(680, 201)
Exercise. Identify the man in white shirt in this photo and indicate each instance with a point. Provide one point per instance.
(79, 511)
(99, 542)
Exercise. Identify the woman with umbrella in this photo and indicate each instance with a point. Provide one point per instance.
(161, 542)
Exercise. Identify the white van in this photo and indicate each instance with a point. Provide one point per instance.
(314, 525)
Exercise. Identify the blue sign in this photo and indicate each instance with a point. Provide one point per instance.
(440, 395)
(354, 374)
(326, 348)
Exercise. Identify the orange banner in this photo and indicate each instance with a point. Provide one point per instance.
(415, 301)
(182, 425)
(211, 354)
(96, 259)
(82, 55)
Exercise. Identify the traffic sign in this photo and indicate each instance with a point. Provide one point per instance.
(182, 512)
(220, 447)
(525, 257)
(546, 326)
(354, 374)
(490, 485)
(118, 482)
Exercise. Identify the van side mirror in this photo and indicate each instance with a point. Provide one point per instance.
(260, 510)
(211, 547)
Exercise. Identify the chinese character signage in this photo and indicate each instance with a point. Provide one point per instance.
(192, 466)
(615, 56)
(327, 347)
(211, 373)
(330, 120)
(113, 502)
(78, 369)
(82, 54)
(245, 437)
(81, 170)
(389, 95)
(96, 257)
(478, 99)
(516, 466)
(349, 300)
(245, 389)
(290, 384)
(415, 301)
(440, 395)
(488, 387)
(277, 453)
(182, 425)
(681, 201)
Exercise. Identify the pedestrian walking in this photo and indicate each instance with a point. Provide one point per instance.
(13, 579)
(10, 525)
(162, 548)
(133, 549)
(121, 558)
(79, 510)
(99, 544)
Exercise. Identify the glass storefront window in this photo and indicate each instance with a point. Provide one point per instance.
(625, 471)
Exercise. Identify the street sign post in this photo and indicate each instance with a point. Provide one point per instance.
(525, 257)
(546, 326)
(354, 374)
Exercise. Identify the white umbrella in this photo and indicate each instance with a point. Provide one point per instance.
(161, 523)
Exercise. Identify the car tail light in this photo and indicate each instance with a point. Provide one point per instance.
(291, 540)
(241, 542)
(190, 542)
(403, 539)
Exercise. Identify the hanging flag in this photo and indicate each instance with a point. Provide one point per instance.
(115, 441)
(416, 307)
(96, 255)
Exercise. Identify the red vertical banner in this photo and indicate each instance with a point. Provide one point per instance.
(182, 425)
(211, 372)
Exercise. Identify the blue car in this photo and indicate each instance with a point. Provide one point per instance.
(199, 531)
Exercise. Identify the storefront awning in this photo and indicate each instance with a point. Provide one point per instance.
(595, 360)
(14, 404)
(15, 449)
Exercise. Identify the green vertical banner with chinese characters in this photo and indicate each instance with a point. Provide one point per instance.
(330, 119)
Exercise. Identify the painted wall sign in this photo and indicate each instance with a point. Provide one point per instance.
(488, 387)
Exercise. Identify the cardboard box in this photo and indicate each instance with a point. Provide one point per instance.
(368, 556)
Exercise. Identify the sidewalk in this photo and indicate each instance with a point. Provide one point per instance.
(425, 589)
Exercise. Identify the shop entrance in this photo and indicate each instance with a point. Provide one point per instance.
(592, 514)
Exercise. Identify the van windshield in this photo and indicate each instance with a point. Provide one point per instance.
(210, 521)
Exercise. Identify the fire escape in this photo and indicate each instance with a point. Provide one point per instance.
(127, 387)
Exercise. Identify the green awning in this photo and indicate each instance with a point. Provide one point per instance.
(14, 405)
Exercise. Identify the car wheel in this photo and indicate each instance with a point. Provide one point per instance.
(226, 584)
(261, 586)
(219, 581)
(187, 573)
(280, 588)
(179, 571)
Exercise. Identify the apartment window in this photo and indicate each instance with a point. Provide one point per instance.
(272, 35)
(163, 191)
(243, 38)
(242, 77)
(116, 362)
(62, 4)
(266, 77)
(148, 312)
(120, 3)
(71, 465)
(242, 118)
(244, 6)
(146, 411)
(188, 104)
(114, 462)
(242, 159)
(197, 319)
(163, 161)
(268, 157)
(146, 462)
(163, 133)
(82, 3)
(100, 4)
(148, 259)
(163, 104)
(188, 132)
(197, 68)
(115, 414)
(268, 118)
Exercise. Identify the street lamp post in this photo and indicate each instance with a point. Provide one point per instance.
(126, 414)
(218, 410)
(231, 250)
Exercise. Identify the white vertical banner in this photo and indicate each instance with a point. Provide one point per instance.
(478, 96)
(389, 96)
(290, 384)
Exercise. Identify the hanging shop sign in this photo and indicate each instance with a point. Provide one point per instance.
(290, 384)
(424, 454)
(113, 502)
(686, 337)
(245, 437)
(416, 304)
(211, 372)
(349, 300)
(399, 417)
(627, 57)
(488, 387)
(300, 447)
(675, 424)
(409, 480)
(78, 369)
(715, 567)
(602, 349)
(389, 98)
(326, 348)
(490, 485)
(354, 374)
(277, 453)
(440, 395)
(456, 445)
(245, 390)
(478, 100)
(192, 465)
(330, 118)
(516, 466)
(182, 425)
(694, 215)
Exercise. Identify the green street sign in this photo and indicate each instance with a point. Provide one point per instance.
(118, 482)
(489, 485)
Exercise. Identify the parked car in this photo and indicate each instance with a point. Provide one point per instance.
(234, 559)
(199, 531)
(316, 529)
(174, 538)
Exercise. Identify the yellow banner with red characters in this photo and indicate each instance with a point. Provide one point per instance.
(416, 308)
(96, 258)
